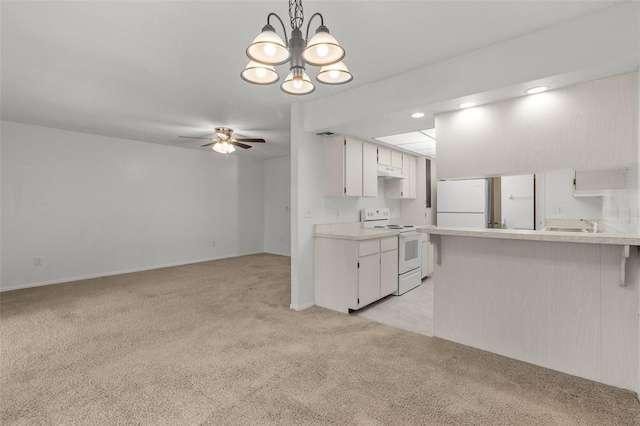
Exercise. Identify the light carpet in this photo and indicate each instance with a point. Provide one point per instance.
(215, 343)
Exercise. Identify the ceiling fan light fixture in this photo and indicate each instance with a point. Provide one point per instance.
(337, 73)
(297, 83)
(223, 148)
(323, 49)
(257, 73)
(268, 48)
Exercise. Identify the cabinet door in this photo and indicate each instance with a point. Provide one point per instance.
(384, 156)
(396, 159)
(334, 166)
(388, 272)
(369, 170)
(352, 167)
(406, 170)
(368, 279)
(413, 180)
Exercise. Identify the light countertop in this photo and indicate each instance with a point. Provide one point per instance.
(514, 234)
(355, 234)
(350, 231)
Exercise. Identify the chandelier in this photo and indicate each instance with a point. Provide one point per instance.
(322, 50)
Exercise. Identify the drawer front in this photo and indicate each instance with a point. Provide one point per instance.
(365, 248)
(387, 244)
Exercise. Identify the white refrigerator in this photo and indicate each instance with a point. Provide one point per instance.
(463, 203)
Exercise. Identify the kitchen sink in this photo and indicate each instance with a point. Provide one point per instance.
(555, 229)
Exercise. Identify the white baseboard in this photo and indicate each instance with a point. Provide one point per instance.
(120, 272)
(279, 254)
(301, 307)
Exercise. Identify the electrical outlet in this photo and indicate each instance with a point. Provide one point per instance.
(37, 261)
(557, 210)
(287, 208)
(307, 213)
(213, 244)
(337, 212)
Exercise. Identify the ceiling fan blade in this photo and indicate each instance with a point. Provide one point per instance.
(207, 144)
(192, 137)
(240, 145)
(249, 140)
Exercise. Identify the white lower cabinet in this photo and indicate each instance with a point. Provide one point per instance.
(388, 266)
(349, 275)
(368, 280)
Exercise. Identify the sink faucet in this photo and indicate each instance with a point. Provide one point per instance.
(594, 225)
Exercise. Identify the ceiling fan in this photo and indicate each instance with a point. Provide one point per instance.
(225, 144)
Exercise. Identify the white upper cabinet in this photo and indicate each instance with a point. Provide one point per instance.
(350, 168)
(412, 176)
(342, 167)
(353, 167)
(396, 159)
(369, 170)
(384, 156)
(407, 187)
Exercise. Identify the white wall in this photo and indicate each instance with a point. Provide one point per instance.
(277, 206)
(415, 212)
(558, 188)
(92, 205)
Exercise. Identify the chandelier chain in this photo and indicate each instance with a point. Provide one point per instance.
(296, 14)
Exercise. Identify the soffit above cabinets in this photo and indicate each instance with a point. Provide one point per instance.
(421, 142)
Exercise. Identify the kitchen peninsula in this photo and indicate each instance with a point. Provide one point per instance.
(563, 300)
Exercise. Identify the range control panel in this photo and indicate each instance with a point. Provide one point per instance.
(374, 214)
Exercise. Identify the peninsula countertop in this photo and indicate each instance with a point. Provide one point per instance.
(526, 235)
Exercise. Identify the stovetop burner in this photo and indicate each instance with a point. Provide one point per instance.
(394, 227)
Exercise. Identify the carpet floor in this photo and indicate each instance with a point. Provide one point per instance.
(215, 343)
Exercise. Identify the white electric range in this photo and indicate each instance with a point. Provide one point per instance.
(409, 257)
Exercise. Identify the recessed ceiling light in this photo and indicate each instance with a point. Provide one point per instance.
(467, 104)
(417, 115)
(536, 89)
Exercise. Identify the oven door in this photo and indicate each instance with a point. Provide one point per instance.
(408, 252)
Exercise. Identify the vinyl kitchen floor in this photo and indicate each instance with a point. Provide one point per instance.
(413, 311)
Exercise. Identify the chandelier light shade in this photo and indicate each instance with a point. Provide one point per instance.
(223, 148)
(334, 74)
(297, 84)
(268, 48)
(322, 50)
(259, 74)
